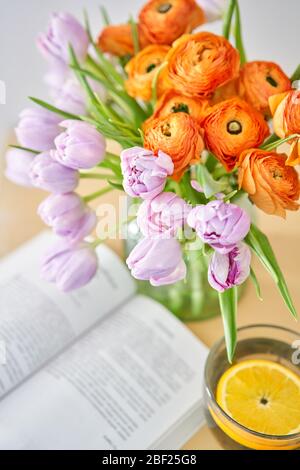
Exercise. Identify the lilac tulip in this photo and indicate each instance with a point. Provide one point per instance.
(69, 266)
(38, 128)
(162, 216)
(144, 173)
(18, 163)
(230, 269)
(219, 224)
(68, 216)
(213, 9)
(64, 30)
(157, 261)
(70, 97)
(45, 173)
(80, 146)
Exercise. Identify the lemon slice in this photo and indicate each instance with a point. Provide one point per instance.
(261, 395)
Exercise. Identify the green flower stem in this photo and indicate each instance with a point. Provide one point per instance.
(238, 34)
(276, 144)
(97, 194)
(135, 35)
(270, 140)
(155, 82)
(26, 149)
(228, 18)
(296, 74)
(95, 176)
(112, 156)
(105, 17)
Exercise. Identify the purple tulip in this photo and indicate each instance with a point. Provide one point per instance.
(68, 216)
(230, 269)
(45, 173)
(69, 266)
(71, 98)
(38, 128)
(219, 224)
(145, 174)
(157, 261)
(80, 146)
(162, 216)
(18, 163)
(64, 30)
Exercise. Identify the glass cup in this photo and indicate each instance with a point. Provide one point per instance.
(267, 342)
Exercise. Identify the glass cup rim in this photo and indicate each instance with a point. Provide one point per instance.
(211, 394)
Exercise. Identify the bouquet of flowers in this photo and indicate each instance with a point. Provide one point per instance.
(194, 120)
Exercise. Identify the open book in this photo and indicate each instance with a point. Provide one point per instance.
(101, 368)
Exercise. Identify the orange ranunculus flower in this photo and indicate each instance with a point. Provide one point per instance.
(271, 185)
(173, 102)
(141, 71)
(285, 108)
(225, 92)
(199, 63)
(163, 21)
(231, 127)
(178, 135)
(259, 80)
(118, 40)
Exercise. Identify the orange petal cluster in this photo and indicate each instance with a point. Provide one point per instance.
(173, 102)
(178, 135)
(163, 21)
(118, 40)
(231, 127)
(259, 80)
(141, 70)
(271, 185)
(201, 62)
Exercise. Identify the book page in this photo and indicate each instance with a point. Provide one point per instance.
(37, 320)
(121, 386)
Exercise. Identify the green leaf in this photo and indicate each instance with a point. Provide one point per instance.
(206, 181)
(228, 306)
(105, 16)
(211, 162)
(270, 140)
(296, 74)
(49, 106)
(256, 284)
(263, 250)
(135, 35)
(114, 185)
(155, 82)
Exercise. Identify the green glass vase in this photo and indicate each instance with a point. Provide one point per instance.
(191, 299)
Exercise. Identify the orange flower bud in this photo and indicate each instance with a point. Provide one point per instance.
(178, 135)
(271, 185)
(231, 127)
(199, 63)
(141, 71)
(163, 21)
(118, 40)
(285, 108)
(173, 102)
(259, 80)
